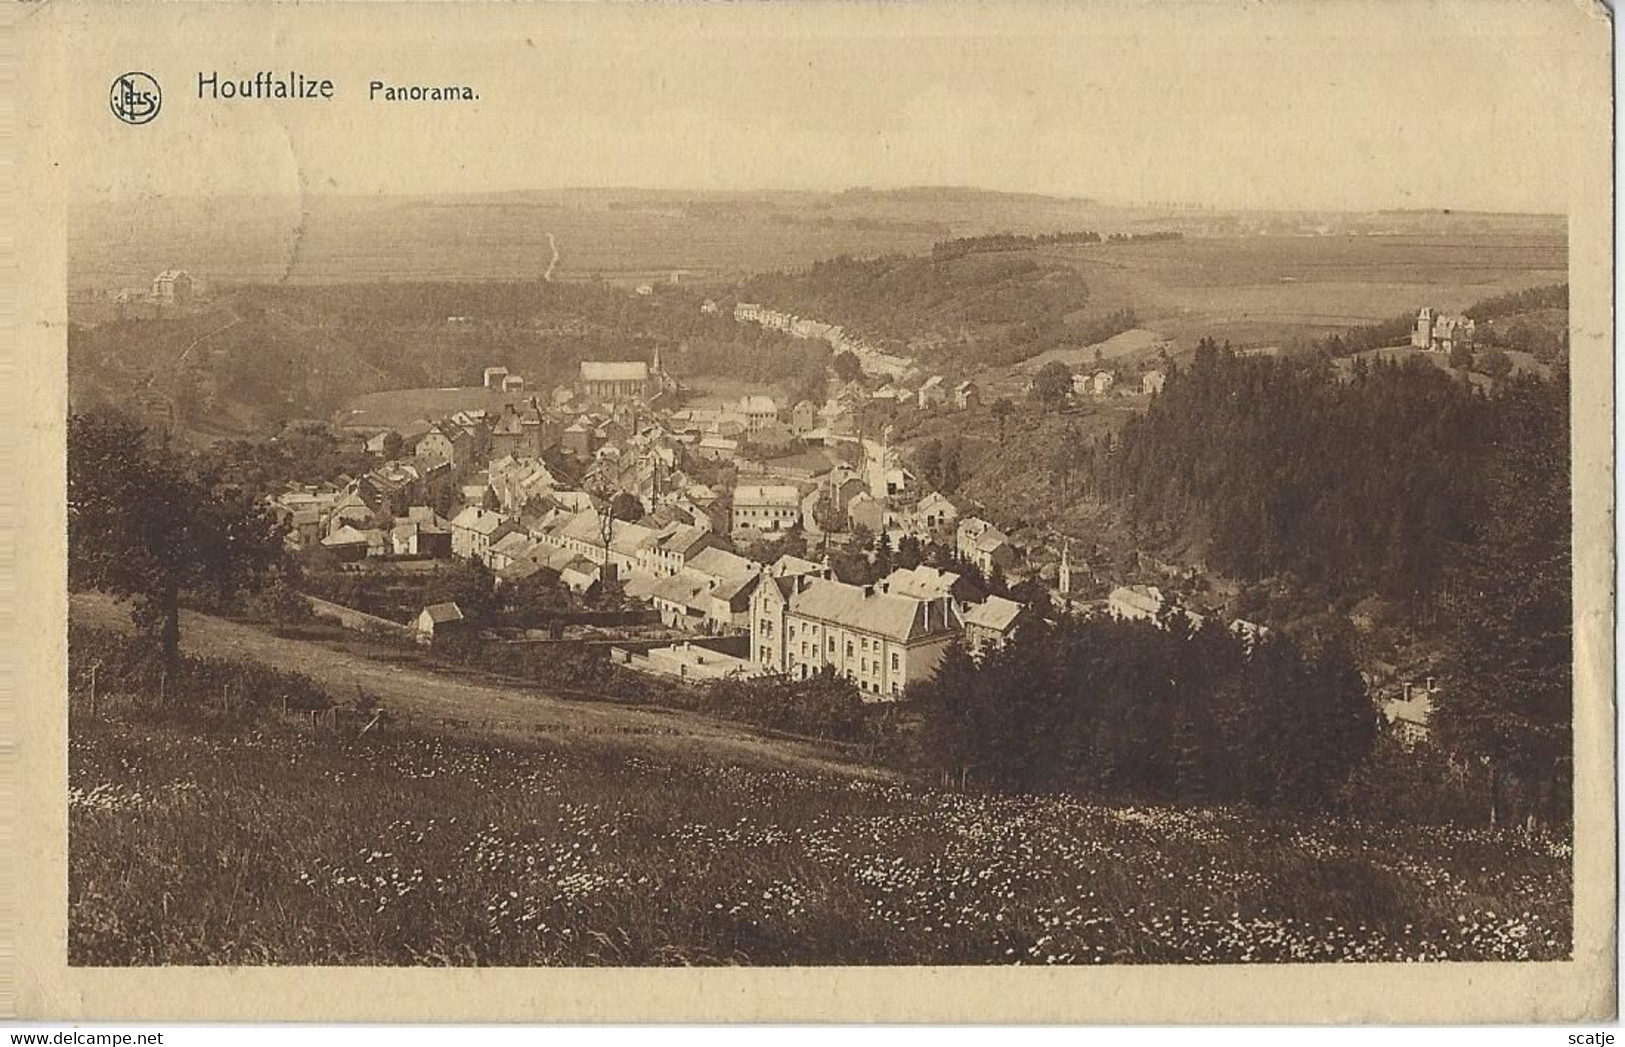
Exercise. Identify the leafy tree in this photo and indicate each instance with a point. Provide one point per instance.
(1052, 384)
(848, 368)
(467, 583)
(626, 506)
(538, 593)
(143, 525)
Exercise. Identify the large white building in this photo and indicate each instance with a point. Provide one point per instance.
(766, 507)
(881, 641)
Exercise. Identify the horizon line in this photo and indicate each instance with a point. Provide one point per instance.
(1104, 202)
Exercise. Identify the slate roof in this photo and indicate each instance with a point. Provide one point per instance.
(481, 521)
(720, 563)
(515, 544)
(345, 535)
(994, 613)
(788, 566)
(900, 618)
(923, 582)
(781, 495)
(685, 588)
(443, 612)
(618, 371)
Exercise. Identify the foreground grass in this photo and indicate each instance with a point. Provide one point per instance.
(251, 843)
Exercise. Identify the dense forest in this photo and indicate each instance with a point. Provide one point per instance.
(1547, 296)
(1402, 481)
(977, 307)
(1137, 712)
(266, 354)
(1359, 486)
(965, 245)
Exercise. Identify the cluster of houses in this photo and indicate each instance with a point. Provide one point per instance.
(527, 489)
(1102, 383)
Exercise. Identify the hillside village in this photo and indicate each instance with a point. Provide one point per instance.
(719, 532)
(752, 536)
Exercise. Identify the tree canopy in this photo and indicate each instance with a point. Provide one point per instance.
(1137, 711)
(1052, 384)
(147, 524)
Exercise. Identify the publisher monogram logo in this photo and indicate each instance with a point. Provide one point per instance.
(135, 98)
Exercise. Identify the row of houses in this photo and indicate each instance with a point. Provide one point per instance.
(870, 357)
(1104, 383)
(934, 392)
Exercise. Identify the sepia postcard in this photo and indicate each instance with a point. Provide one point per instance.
(930, 512)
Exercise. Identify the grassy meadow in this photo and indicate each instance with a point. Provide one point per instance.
(238, 840)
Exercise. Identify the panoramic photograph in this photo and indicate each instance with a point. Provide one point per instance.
(981, 525)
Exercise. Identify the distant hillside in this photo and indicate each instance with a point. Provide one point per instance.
(259, 355)
(975, 309)
(233, 369)
(997, 300)
(633, 235)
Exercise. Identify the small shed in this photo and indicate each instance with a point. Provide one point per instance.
(437, 619)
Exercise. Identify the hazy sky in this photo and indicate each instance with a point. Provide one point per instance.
(1340, 105)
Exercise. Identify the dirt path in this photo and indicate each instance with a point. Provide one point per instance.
(426, 696)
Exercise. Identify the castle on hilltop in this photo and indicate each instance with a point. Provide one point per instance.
(1439, 333)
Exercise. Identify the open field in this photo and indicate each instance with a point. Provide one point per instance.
(221, 841)
(1132, 344)
(395, 408)
(1268, 289)
(630, 236)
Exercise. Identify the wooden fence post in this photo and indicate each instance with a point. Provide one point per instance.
(93, 669)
